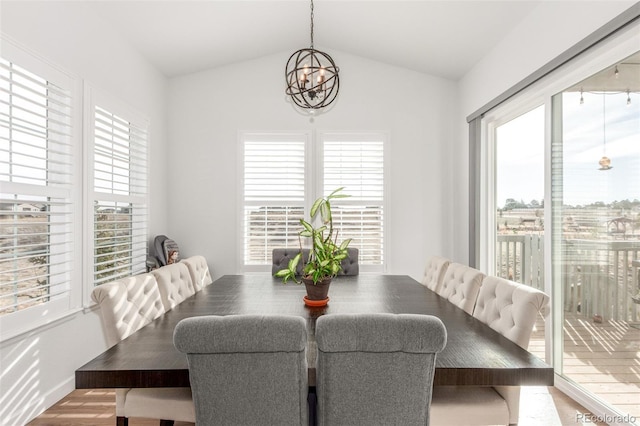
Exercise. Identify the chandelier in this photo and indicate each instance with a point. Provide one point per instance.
(312, 77)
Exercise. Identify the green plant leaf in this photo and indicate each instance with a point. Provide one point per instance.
(325, 212)
(306, 225)
(293, 263)
(315, 206)
(333, 194)
(345, 243)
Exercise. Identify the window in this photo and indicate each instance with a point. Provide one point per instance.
(278, 171)
(356, 162)
(118, 209)
(274, 191)
(36, 179)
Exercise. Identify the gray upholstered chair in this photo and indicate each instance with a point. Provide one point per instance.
(246, 369)
(281, 256)
(511, 309)
(174, 283)
(461, 285)
(434, 272)
(126, 306)
(376, 369)
(350, 265)
(199, 271)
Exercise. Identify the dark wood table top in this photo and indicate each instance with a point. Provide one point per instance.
(474, 355)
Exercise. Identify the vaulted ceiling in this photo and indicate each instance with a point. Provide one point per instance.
(441, 38)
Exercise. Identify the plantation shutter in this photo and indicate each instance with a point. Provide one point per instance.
(36, 215)
(357, 164)
(120, 196)
(274, 194)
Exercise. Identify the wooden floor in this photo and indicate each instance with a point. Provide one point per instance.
(604, 357)
(540, 406)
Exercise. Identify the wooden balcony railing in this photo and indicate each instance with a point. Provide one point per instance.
(597, 276)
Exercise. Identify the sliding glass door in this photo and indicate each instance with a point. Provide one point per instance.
(518, 224)
(595, 192)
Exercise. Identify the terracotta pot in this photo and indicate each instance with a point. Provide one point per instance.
(318, 291)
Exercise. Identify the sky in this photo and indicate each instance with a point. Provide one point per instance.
(520, 151)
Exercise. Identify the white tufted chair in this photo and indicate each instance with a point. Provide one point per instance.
(434, 272)
(126, 306)
(174, 283)
(511, 309)
(461, 285)
(199, 271)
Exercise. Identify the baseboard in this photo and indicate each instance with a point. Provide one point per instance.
(22, 412)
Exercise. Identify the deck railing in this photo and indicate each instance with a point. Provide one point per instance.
(597, 276)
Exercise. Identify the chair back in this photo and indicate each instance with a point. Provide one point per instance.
(280, 258)
(434, 272)
(511, 309)
(199, 271)
(127, 305)
(350, 265)
(174, 283)
(376, 369)
(246, 369)
(461, 285)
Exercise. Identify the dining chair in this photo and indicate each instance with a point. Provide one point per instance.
(174, 283)
(376, 369)
(350, 265)
(199, 271)
(434, 272)
(461, 285)
(246, 369)
(280, 258)
(126, 306)
(511, 309)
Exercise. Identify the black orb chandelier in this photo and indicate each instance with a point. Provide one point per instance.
(312, 77)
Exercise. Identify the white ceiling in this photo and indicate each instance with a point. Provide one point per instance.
(442, 38)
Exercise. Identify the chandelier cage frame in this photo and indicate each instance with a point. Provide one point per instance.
(312, 77)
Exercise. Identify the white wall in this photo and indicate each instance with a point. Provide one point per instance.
(208, 109)
(548, 31)
(38, 367)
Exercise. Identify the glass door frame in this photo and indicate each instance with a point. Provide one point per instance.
(615, 48)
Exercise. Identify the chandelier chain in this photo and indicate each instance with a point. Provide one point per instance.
(311, 24)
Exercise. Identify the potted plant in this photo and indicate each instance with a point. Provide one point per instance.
(325, 255)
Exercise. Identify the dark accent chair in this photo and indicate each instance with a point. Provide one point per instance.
(281, 256)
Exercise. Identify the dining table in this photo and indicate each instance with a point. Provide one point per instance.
(475, 354)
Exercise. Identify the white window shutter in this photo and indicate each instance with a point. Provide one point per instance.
(36, 214)
(357, 164)
(120, 196)
(274, 187)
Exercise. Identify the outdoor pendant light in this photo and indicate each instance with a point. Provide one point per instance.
(312, 77)
(605, 162)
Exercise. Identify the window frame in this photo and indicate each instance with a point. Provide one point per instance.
(314, 155)
(94, 97)
(320, 190)
(267, 137)
(19, 322)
